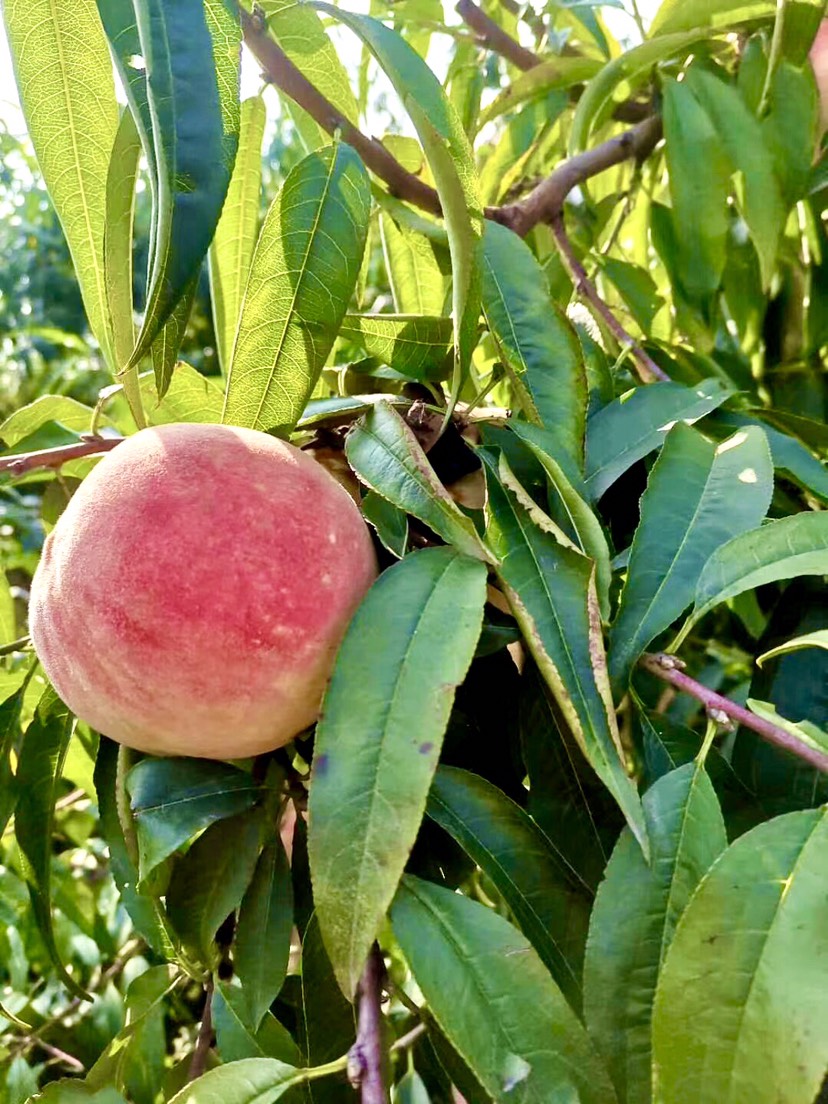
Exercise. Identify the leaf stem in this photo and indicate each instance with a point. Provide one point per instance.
(774, 58)
(668, 669)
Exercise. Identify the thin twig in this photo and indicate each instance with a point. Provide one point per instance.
(546, 201)
(528, 15)
(280, 71)
(198, 1065)
(54, 457)
(668, 668)
(647, 368)
(492, 36)
(62, 1057)
(405, 1041)
(365, 1059)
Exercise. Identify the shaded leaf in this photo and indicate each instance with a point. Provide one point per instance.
(390, 522)
(416, 346)
(190, 397)
(492, 996)
(328, 1023)
(387, 457)
(172, 799)
(698, 496)
(237, 1038)
(534, 879)
(635, 915)
(408, 647)
(417, 283)
(681, 15)
(746, 977)
(818, 639)
(263, 928)
(560, 72)
(302, 276)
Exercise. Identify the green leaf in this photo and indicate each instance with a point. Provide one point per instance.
(190, 397)
(408, 647)
(698, 496)
(635, 915)
(561, 625)
(237, 1038)
(533, 878)
(146, 911)
(783, 549)
(172, 799)
(536, 341)
(39, 771)
(208, 883)
(680, 15)
(790, 456)
(568, 508)
(387, 457)
(410, 1089)
(492, 996)
(192, 87)
(699, 199)
(631, 427)
(559, 72)
(302, 276)
(417, 346)
(390, 523)
(69, 413)
(745, 981)
(167, 343)
(417, 283)
(263, 929)
(231, 250)
(73, 1091)
(249, 1081)
(8, 618)
(10, 713)
(68, 99)
(790, 126)
(637, 288)
(451, 161)
(119, 22)
(302, 35)
(347, 407)
(818, 639)
(742, 135)
(328, 1021)
(117, 258)
(804, 731)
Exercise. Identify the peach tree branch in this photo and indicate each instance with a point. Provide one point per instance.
(89, 445)
(366, 1058)
(669, 669)
(494, 38)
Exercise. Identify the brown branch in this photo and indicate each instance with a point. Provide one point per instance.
(668, 669)
(280, 70)
(492, 36)
(528, 15)
(205, 1036)
(546, 201)
(646, 367)
(366, 1057)
(53, 458)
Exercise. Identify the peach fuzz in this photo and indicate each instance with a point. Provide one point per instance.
(819, 61)
(193, 594)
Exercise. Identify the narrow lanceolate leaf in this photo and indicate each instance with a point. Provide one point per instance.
(551, 589)
(745, 982)
(699, 199)
(302, 276)
(558, 73)
(542, 891)
(537, 343)
(164, 350)
(39, 772)
(634, 918)
(195, 134)
(172, 799)
(818, 639)
(683, 15)
(495, 1001)
(120, 201)
(208, 883)
(634, 425)
(265, 921)
(783, 549)
(379, 738)
(231, 250)
(64, 76)
(237, 1038)
(417, 346)
(417, 284)
(119, 22)
(744, 141)
(569, 509)
(387, 457)
(451, 161)
(249, 1081)
(698, 497)
(10, 712)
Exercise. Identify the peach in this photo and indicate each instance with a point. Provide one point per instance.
(819, 61)
(193, 594)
